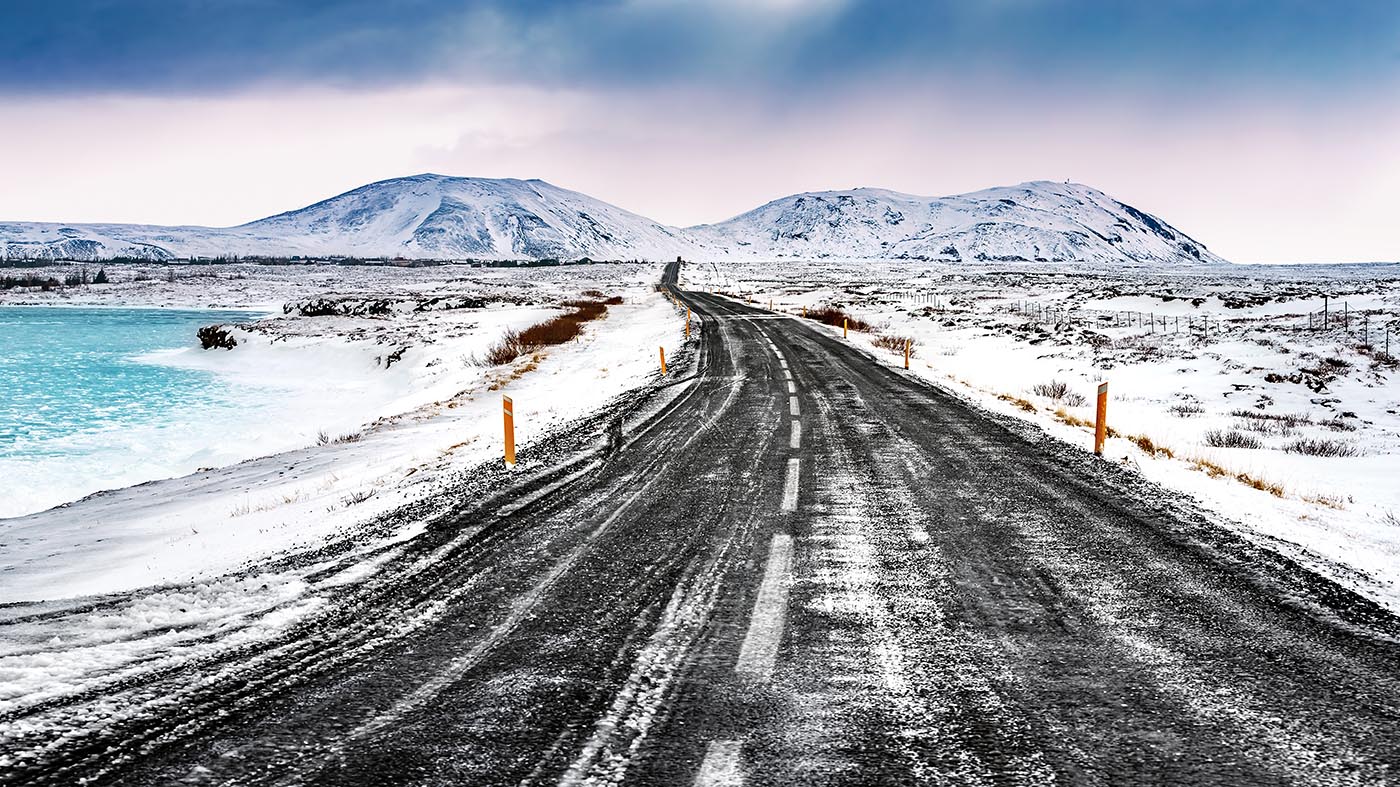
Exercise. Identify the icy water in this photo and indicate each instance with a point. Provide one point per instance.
(84, 407)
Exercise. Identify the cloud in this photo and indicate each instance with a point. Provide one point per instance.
(783, 46)
(1256, 182)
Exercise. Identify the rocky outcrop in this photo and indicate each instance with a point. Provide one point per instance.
(216, 337)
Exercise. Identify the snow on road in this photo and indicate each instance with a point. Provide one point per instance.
(1198, 361)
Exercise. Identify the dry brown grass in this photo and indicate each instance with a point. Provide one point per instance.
(834, 316)
(1216, 471)
(1018, 401)
(1071, 419)
(556, 330)
(1146, 444)
(895, 343)
(1330, 501)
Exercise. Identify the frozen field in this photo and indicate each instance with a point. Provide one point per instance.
(1227, 383)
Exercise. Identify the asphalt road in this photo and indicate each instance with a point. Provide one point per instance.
(809, 568)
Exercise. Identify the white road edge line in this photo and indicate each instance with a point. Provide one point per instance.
(720, 768)
(759, 653)
(792, 406)
(796, 441)
(790, 486)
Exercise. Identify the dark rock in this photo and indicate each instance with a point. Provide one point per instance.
(216, 336)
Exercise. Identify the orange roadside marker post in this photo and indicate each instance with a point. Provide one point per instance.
(804, 311)
(1101, 419)
(906, 353)
(687, 322)
(508, 410)
(845, 333)
(663, 361)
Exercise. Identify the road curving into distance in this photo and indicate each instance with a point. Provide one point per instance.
(809, 568)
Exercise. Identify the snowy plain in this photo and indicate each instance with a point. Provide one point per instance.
(1228, 372)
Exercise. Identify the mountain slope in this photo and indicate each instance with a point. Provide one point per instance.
(440, 217)
(1037, 221)
(423, 216)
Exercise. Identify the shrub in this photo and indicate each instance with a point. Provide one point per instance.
(1186, 409)
(507, 349)
(1055, 389)
(555, 330)
(831, 315)
(1266, 427)
(101, 277)
(895, 343)
(1339, 425)
(1217, 438)
(1288, 419)
(1313, 447)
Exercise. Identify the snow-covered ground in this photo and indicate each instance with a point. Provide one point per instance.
(172, 547)
(1226, 373)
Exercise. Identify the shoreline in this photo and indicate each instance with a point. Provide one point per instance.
(443, 416)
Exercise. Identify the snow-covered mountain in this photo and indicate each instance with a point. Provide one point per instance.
(440, 217)
(1037, 221)
(424, 217)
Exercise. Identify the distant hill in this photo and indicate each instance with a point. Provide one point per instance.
(1037, 221)
(442, 217)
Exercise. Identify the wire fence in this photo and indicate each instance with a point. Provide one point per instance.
(1372, 329)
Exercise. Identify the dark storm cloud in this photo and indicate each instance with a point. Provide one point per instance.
(781, 45)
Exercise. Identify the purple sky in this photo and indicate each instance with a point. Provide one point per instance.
(1266, 132)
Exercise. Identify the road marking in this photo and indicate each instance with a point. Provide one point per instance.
(790, 486)
(796, 441)
(720, 768)
(783, 361)
(787, 374)
(759, 653)
(792, 387)
(792, 406)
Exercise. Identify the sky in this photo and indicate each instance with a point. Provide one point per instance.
(1267, 129)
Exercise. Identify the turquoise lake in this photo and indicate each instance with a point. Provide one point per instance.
(82, 406)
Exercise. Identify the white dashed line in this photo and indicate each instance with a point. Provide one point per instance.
(790, 486)
(792, 406)
(796, 441)
(720, 768)
(759, 653)
(792, 388)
